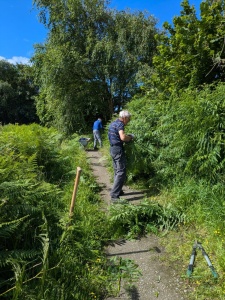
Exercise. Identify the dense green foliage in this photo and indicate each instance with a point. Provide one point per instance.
(192, 50)
(99, 61)
(17, 92)
(90, 62)
(44, 255)
(182, 137)
(179, 154)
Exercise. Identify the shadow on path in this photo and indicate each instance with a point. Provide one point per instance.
(126, 253)
(133, 293)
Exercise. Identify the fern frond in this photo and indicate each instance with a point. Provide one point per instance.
(19, 255)
(7, 229)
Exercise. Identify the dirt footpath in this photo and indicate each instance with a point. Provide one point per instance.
(158, 280)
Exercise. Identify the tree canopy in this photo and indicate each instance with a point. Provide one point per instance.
(17, 92)
(192, 50)
(90, 60)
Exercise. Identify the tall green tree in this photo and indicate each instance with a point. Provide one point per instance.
(90, 60)
(192, 51)
(17, 91)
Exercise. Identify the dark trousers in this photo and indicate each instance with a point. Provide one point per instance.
(119, 166)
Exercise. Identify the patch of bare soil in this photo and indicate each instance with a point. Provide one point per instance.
(159, 280)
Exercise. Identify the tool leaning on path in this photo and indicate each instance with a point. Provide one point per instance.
(196, 246)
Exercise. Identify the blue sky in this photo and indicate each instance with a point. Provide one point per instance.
(20, 28)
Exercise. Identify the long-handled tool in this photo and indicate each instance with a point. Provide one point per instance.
(192, 259)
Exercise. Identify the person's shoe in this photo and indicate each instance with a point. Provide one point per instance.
(122, 193)
(95, 148)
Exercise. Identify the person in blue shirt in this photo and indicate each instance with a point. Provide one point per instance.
(117, 137)
(97, 128)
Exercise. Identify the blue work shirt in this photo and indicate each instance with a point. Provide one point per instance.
(97, 125)
(113, 133)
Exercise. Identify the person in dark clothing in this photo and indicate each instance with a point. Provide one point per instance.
(117, 137)
(97, 128)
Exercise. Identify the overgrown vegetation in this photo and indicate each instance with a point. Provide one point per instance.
(44, 253)
(182, 154)
(97, 61)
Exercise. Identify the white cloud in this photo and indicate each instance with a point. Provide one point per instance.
(17, 60)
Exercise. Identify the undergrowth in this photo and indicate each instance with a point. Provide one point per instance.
(45, 253)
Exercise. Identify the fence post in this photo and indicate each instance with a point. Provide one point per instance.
(75, 191)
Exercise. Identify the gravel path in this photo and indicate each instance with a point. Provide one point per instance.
(158, 280)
